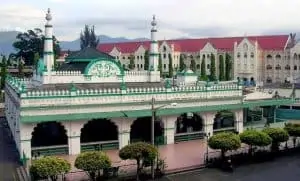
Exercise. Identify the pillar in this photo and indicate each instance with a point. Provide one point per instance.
(169, 128)
(73, 129)
(238, 122)
(208, 126)
(124, 126)
(25, 140)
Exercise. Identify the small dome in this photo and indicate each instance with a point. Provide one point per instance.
(48, 15)
(153, 23)
(189, 71)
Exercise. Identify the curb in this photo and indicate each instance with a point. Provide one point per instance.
(185, 169)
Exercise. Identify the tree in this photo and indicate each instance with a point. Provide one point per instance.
(49, 167)
(213, 68)
(36, 59)
(131, 62)
(140, 152)
(88, 38)
(21, 68)
(293, 130)
(221, 68)
(182, 65)
(159, 64)
(203, 69)
(3, 72)
(278, 135)
(92, 162)
(225, 142)
(255, 138)
(146, 56)
(31, 42)
(193, 65)
(170, 66)
(228, 67)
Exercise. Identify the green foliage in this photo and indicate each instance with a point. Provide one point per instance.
(255, 138)
(139, 151)
(88, 37)
(3, 72)
(170, 66)
(182, 65)
(213, 76)
(21, 68)
(293, 129)
(228, 67)
(36, 59)
(221, 68)
(31, 42)
(203, 69)
(49, 167)
(277, 134)
(160, 64)
(92, 162)
(193, 65)
(225, 142)
(146, 56)
(131, 62)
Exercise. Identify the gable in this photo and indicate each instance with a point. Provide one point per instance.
(208, 48)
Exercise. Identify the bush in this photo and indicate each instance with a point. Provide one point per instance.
(92, 162)
(278, 135)
(139, 151)
(255, 138)
(49, 167)
(225, 142)
(293, 130)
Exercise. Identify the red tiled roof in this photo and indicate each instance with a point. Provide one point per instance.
(271, 42)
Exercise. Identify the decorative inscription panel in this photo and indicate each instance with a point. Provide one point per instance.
(104, 69)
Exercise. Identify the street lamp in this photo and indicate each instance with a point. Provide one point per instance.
(207, 135)
(153, 111)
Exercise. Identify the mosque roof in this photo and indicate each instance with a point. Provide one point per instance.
(87, 54)
(269, 42)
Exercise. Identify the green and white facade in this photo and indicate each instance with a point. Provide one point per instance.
(93, 86)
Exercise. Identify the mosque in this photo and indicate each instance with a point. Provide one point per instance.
(92, 103)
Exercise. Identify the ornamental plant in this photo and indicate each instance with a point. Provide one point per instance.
(224, 141)
(293, 130)
(255, 138)
(278, 135)
(92, 162)
(140, 152)
(49, 167)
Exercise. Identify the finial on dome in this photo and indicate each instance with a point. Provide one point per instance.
(48, 15)
(153, 23)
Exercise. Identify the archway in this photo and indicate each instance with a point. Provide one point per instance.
(141, 130)
(99, 134)
(189, 126)
(49, 138)
(224, 120)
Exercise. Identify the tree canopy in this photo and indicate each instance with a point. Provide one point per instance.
(146, 56)
(88, 38)
(213, 76)
(255, 138)
(278, 135)
(221, 68)
(182, 65)
(49, 167)
(3, 72)
(131, 62)
(31, 42)
(170, 66)
(228, 67)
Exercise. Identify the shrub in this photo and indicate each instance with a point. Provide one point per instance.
(255, 138)
(278, 135)
(293, 130)
(49, 167)
(92, 162)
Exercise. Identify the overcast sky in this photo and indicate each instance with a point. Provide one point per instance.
(176, 18)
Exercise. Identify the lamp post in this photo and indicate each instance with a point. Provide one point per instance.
(153, 112)
(207, 135)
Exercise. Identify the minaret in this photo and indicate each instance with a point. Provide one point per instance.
(153, 59)
(48, 44)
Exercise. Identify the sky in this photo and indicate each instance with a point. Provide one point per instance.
(176, 18)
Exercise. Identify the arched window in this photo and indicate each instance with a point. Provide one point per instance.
(269, 67)
(287, 67)
(165, 48)
(269, 80)
(208, 66)
(278, 67)
(238, 55)
(245, 55)
(299, 56)
(269, 57)
(295, 67)
(295, 56)
(278, 57)
(245, 46)
(252, 55)
(198, 66)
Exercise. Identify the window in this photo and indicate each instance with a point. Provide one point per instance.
(295, 67)
(142, 57)
(245, 46)
(269, 57)
(208, 66)
(252, 55)
(138, 66)
(137, 57)
(278, 57)
(165, 48)
(269, 80)
(165, 56)
(198, 66)
(269, 67)
(208, 56)
(245, 55)
(141, 65)
(287, 67)
(295, 56)
(238, 55)
(278, 67)
(123, 58)
(165, 66)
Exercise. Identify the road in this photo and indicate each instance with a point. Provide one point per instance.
(285, 168)
(8, 154)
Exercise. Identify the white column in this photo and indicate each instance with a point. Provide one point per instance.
(25, 140)
(238, 124)
(73, 129)
(169, 128)
(124, 126)
(208, 126)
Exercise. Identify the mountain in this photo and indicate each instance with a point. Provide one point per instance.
(8, 37)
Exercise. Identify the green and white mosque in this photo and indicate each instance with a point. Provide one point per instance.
(92, 103)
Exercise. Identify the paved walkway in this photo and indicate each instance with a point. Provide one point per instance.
(177, 156)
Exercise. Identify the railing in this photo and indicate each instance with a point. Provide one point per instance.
(100, 145)
(50, 150)
(180, 137)
(227, 129)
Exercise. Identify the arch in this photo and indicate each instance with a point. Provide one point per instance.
(49, 134)
(238, 55)
(224, 119)
(278, 67)
(269, 57)
(97, 130)
(269, 67)
(141, 129)
(198, 66)
(287, 67)
(295, 56)
(189, 122)
(278, 57)
(252, 55)
(164, 48)
(103, 68)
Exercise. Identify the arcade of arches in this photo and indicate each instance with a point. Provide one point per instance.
(77, 136)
